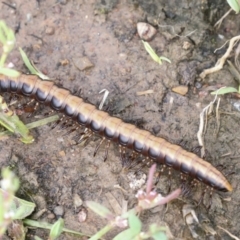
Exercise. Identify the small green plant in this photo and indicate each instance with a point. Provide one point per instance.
(153, 54)
(7, 40)
(225, 90)
(12, 123)
(11, 207)
(31, 67)
(235, 5)
(15, 210)
(8, 118)
(130, 219)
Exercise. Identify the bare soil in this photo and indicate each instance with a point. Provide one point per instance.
(57, 34)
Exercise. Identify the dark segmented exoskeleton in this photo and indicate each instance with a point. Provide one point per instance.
(115, 130)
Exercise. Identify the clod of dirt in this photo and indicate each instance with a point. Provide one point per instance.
(82, 63)
(136, 180)
(187, 71)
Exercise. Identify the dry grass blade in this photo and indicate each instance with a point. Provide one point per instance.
(221, 61)
(231, 235)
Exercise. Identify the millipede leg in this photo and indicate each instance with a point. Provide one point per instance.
(69, 132)
(85, 135)
(203, 194)
(123, 158)
(98, 146)
(106, 150)
(169, 179)
(210, 198)
(163, 167)
(57, 122)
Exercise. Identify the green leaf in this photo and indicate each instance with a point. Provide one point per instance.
(31, 66)
(224, 90)
(157, 232)
(46, 225)
(159, 236)
(128, 234)
(37, 238)
(56, 229)
(100, 210)
(151, 52)
(9, 72)
(22, 208)
(3, 37)
(27, 62)
(234, 4)
(134, 223)
(165, 59)
(11, 121)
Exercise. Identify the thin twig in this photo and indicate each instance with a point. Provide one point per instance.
(173, 31)
(221, 61)
(218, 116)
(219, 22)
(203, 124)
(231, 235)
(9, 5)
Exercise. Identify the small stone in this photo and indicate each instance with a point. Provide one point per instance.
(146, 31)
(77, 201)
(82, 215)
(63, 2)
(187, 45)
(182, 90)
(50, 30)
(198, 85)
(64, 62)
(82, 63)
(58, 211)
(50, 216)
(62, 153)
(236, 105)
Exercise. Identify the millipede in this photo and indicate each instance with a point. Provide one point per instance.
(113, 129)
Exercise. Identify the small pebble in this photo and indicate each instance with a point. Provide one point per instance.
(82, 63)
(146, 31)
(182, 90)
(64, 62)
(198, 85)
(51, 216)
(50, 30)
(63, 2)
(187, 45)
(156, 129)
(82, 215)
(58, 211)
(77, 201)
(236, 105)
(62, 154)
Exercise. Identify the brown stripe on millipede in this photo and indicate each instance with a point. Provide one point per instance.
(115, 130)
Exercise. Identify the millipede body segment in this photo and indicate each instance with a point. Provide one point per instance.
(114, 129)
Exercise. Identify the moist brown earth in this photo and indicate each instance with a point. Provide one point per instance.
(94, 45)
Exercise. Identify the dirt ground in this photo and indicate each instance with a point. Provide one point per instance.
(56, 35)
